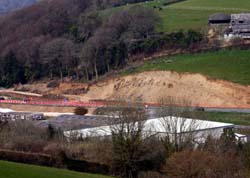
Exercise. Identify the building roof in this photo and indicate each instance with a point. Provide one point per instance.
(240, 24)
(168, 125)
(219, 17)
(5, 110)
(68, 122)
(242, 16)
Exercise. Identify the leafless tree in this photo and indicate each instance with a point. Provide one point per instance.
(203, 164)
(179, 131)
(127, 141)
(24, 136)
(57, 54)
(88, 24)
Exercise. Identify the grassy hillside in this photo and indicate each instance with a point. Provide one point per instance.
(216, 4)
(150, 4)
(194, 13)
(231, 65)
(190, 14)
(16, 170)
(234, 118)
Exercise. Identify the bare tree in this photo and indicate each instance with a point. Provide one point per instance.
(89, 60)
(179, 131)
(127, 141)
(56, 54)
(24, 136)
(204, 164)
(144, 21)
(88, 24)
(4, 130)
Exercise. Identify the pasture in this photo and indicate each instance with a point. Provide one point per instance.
(188, 14)
(193, 14)
(233, 118)
(17, 170)
(231, 65)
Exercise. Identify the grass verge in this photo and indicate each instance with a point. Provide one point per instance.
(17, 170)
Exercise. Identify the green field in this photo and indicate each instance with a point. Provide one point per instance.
(216, 4)
(233, 118)
(189, 14)
(157, 3)
(230, 65)
(16, 170)
(193, 14)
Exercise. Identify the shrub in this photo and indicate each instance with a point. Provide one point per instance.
(53, 84)
(24, 136)
(151, 174)
(80, 111)
(28, 158)
(203, 164)
(53, 96)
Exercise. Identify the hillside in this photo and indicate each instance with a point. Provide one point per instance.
(230, 65)
(190, 14)
(16, 170)
(84, 40)
(62, 38)
(151, 86)
(154, 85)
(11, 5)
(194, 13)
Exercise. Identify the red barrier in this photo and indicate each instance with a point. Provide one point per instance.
(100, 104)
(55, 103)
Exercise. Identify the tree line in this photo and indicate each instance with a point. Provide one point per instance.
(57, 39)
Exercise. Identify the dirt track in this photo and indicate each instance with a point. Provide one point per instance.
(33, 108)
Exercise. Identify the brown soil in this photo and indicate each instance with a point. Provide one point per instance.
(64, 88)
(29, 108)
(154, 85)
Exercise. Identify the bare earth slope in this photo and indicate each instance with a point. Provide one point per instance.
(151, 86)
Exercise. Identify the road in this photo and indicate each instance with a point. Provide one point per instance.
(152, 108)
(55, 103)
(214, 109)
(238, 110)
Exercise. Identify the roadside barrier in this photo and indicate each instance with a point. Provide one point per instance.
(55, 103)
(97, 104)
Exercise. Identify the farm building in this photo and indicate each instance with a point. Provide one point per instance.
(219, 18)
(201, 129)
(68, 122)
(5, 110)
(6, 116)
(240, 25)
(235, 25)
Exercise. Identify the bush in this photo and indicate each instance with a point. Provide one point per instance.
(28, 158)
(203, 164)
(80, 111)
(53, 84)
(22, 135)
(151, 174)
(53, 96)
